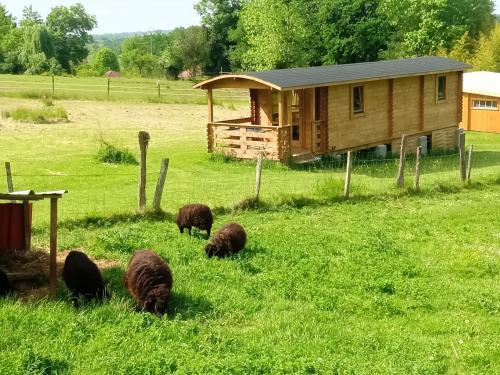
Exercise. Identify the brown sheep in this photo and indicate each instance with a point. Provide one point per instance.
(6, 287)
(195, 215)
(230, 239)
(82, 277)
(149, 280)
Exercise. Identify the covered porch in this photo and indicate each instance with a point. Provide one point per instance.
(284, 125)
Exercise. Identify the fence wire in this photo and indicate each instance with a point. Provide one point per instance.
(219, 184)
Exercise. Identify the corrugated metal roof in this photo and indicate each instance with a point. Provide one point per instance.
(482, 83)
(335, 74)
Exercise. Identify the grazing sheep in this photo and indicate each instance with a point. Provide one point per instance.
(195, 215)
(82, 277)
(149, 280)
(6, 287)
(230, 239)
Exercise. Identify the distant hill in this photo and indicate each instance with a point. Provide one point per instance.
(114, 40)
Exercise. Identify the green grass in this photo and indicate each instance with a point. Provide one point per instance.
(391, 281)
(45, 115)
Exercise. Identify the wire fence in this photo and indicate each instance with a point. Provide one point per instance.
(112, 88)
(221, 184)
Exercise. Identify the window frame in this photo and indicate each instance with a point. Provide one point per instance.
(485, 107)
(438, 78)
(362, 112)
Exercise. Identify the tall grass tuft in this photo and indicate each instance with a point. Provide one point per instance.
(110, 154)
(45, 115)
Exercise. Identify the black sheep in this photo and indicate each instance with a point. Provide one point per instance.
(230, 239)
(195, 215)
(149, 280)
(82, 277)
(6, 287)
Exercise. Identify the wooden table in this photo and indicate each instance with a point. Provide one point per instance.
(27, 196)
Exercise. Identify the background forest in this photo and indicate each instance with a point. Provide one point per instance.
(237, 35)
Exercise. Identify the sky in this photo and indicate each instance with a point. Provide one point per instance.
(115, 16)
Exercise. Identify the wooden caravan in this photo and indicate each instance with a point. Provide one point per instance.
(481, 97)
(296, 114)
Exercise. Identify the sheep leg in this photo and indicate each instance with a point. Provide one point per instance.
(189, 228)
(181, 229)
(208, 233)
(74, 299)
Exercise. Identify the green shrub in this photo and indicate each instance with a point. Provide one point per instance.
(45, 115)
(113, 155)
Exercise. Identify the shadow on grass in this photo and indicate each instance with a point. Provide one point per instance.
(184, 306)
(107, 221)
(285, 202)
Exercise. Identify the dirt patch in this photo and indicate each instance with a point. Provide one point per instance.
(29, 270)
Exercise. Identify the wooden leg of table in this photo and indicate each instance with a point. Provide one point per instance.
(27, 231)
(53, 247)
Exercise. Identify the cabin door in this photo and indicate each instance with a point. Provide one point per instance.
(302, 116)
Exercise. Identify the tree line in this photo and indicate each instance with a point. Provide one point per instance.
(237, 35)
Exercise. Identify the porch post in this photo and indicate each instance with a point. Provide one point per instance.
(281, 109)
(210, 106)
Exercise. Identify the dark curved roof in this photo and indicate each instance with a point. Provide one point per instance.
(286, 79)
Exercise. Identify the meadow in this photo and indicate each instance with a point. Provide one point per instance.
(391, 281)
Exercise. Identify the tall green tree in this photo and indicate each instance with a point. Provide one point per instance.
(30, 17)
(487, 55)
(219, 17)
(351, 30)
(276, 33)
(424, 26)
(188, 50)
(70, 27)
(105, 59)
(136, 56)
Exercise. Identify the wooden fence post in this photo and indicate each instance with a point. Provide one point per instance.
(143, 145)
(53, 247)
(348, 174)
(160, 184)
(10, 185)
(159, 89)
(461, 146)
(469, 162)
(258, 175)
(417, 169)
(401, 170)
(53, 86)
(108, 86)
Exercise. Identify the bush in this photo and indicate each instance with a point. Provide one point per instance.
(113, 155)
(45, 115)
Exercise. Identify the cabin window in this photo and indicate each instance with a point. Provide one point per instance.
(441, 88)
(317, 103)
(358, 100)
(485, 104)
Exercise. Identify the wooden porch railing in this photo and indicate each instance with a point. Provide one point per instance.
(246, 141)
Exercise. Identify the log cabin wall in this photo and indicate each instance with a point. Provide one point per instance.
(406, 106)
(347, 131)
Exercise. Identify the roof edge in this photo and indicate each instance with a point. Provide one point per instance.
(236, 76)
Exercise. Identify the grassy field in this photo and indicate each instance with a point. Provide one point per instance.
(389, 282)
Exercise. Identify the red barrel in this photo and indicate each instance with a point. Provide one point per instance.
(12, 226)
